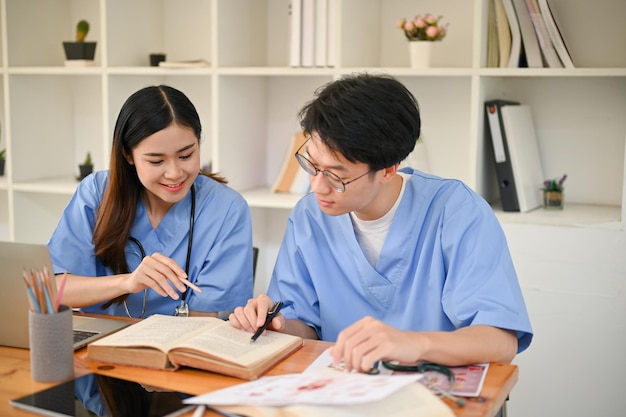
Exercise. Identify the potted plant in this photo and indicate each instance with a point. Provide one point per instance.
(80, 49)
(86, 167)
(421, 32)
(553, 192)
(2, 161)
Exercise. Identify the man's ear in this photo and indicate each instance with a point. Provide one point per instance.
(389, 172)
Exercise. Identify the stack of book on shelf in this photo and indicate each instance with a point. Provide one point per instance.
(207, 343)
(292, 178)
(525, 33)
(313, 33)
(519, 170)
(194, 63)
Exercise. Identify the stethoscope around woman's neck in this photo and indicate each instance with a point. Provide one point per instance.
(183, 309)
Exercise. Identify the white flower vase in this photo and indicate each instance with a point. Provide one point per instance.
(420, 53)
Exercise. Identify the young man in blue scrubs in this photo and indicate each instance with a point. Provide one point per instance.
(390, 264)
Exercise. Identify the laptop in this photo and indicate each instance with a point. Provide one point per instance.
(14, 306)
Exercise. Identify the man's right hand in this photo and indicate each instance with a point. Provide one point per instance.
(253, 315)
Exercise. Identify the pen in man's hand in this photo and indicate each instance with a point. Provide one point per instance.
(270, 316)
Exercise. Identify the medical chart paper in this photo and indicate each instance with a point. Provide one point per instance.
(324, 388)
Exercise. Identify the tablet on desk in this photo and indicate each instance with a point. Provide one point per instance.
(98, 395)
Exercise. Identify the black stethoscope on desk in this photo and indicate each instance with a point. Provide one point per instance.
(183, 309)
(423, 367)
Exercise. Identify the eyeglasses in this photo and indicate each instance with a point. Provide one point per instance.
(333, 179)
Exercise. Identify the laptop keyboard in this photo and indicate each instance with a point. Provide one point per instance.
(80, 335)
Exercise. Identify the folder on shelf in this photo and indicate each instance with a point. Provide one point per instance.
(494, 130)
(301, 184)
(289, 171)
(523, 148)
(511, 131)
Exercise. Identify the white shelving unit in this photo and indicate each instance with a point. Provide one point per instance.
(248, 98)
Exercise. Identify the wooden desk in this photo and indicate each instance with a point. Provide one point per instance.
(15, 379)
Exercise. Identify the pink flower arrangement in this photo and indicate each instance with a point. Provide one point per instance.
(425, 27)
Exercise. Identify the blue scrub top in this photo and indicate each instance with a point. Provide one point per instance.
(221, 255)
(445, 264)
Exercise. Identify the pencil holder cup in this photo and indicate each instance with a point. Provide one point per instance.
(51, 343)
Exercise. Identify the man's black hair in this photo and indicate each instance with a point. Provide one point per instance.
(373, 119)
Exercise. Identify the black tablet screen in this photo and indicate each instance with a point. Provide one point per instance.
(101, 395)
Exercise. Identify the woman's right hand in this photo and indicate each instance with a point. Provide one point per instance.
(160, 273)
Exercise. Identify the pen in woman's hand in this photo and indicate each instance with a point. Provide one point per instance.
(270, 316)
(190, 284)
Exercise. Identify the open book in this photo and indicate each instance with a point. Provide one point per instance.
(208, 343)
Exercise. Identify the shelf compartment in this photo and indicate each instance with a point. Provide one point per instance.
(181, 30)
(55, 22)
(258, 119)
(64, 122)
(580, 130)
(38, 215)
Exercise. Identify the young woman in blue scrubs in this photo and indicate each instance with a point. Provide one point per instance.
(389, 263)
(152, 234)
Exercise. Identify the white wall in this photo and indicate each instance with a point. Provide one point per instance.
(574, 282)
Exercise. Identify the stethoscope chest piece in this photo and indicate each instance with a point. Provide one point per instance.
(182, 310)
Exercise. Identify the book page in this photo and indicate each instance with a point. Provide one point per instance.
(159, 331)
(230, 344)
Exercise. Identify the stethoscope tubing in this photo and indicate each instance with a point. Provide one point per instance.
(189, 243)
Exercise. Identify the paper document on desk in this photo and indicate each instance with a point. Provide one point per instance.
(412, 400)
(321, 395)
(332, 388)
(324, 390)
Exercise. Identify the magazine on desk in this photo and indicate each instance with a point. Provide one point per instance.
(468, 380)
(207, 343)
